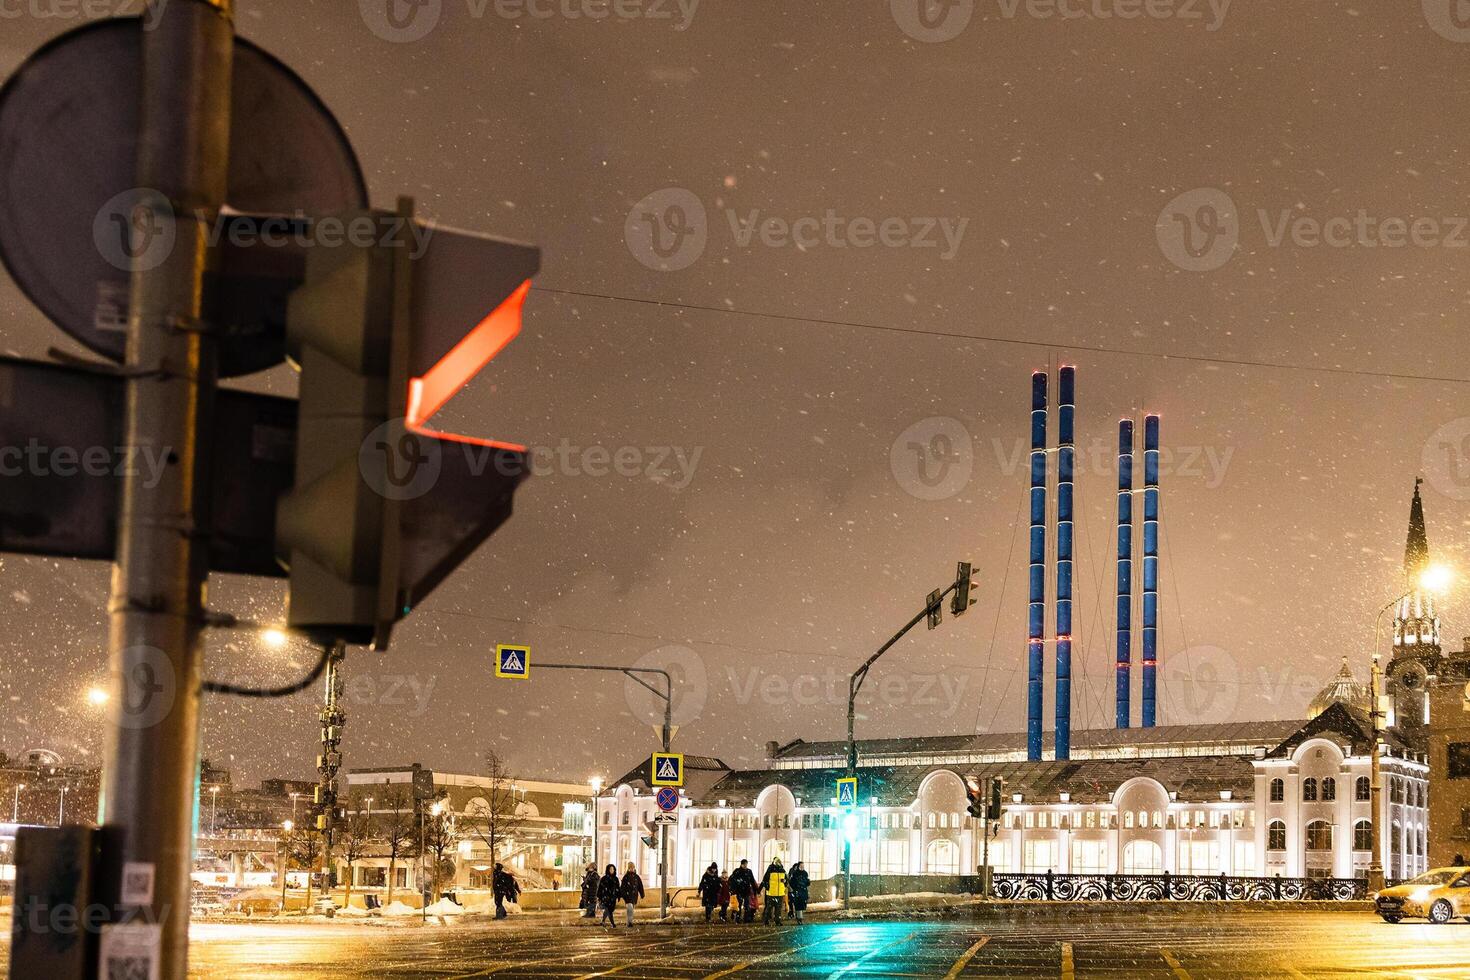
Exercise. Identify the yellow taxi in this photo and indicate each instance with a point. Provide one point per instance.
(1439, 896)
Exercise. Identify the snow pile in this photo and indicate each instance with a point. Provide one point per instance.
(398, 908)
(352, 912)
(444, 907)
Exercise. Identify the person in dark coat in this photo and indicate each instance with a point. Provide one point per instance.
(589, 892)
(607, 894)
(724, 897)
(506, 889)
(709, 890)
(799, 887)
(631, 892)
(742, 886)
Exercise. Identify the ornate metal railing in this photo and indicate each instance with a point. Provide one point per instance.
(1184, 888)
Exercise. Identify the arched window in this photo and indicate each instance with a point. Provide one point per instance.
(1329, 789)
(1363, 791)
(1363, 836)
(1309, 790)
(1319, 836)
(1276, 836)
(1278, 791)
(1128, 819)
(626, 816)
(1142, 857)
(944, 858)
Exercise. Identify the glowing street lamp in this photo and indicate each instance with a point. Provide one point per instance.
(287, 826)
(274, 638)
(97, 697)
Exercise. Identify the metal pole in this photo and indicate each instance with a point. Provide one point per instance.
(985, 841)
(663, 828)
(156, 603)
(1375, 866)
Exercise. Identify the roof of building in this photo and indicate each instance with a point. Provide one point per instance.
(1343, 687)
(1263, 733)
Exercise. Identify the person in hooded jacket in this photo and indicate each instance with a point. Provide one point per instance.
(505, 888)
(709, 890)
(773, 885)
(724, 899)
(800, 885)
(589, 892)
(632, 891)
(607, 894)
(742, 886)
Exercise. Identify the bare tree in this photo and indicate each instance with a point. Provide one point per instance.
(441, 836)
(304, 851)
(495, 819)
(397, 827)
(357, 836)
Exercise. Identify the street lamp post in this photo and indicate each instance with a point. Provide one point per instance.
(213, 810)
(15, 807)
(596, 783)
(284, 858)
(61, 809)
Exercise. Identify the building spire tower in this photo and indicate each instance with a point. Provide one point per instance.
(1415, 622)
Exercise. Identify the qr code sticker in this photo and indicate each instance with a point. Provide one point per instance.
(129, 968)
(137, 883)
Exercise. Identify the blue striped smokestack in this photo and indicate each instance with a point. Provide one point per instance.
(1150, 567)
(1066, 462)
(1037, 610)
(1124, 694)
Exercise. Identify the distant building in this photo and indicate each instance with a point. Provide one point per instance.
(1289, 798)
(39, 789)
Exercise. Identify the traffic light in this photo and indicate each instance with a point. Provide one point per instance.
(850, 828)
(964, 583)
(994, 812)
(977, 800)
(392, 319)
(935, 608)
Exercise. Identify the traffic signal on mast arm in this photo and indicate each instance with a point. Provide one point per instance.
(964, 584)
(976, 796)
(392, 319)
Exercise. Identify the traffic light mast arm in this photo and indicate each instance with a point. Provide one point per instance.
(667, 693)
(855, 683)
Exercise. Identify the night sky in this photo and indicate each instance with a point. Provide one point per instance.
(770, 528)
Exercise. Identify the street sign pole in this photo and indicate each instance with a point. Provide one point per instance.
(156, 604)
(667, 736)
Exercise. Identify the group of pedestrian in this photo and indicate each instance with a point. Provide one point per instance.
(606, 890)
(777, 891)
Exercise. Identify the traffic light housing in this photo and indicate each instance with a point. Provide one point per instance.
(984, 799)
(994, 812)
(964, 584)
(935, 609)
(391, 320)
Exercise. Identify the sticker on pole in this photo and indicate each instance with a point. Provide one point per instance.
(847, 791)
(667, 799)
(668, 769)
(513, 662)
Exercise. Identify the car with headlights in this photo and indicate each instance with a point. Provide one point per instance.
(1439, 896)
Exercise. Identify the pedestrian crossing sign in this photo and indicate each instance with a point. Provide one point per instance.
(668, 769)
(847, 791)
(513, 662)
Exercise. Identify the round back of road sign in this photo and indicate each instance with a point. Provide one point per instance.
(667, 799)
(69, 120)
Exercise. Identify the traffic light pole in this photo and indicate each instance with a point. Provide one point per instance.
(854, 685)
(157, 596)
(668, 734)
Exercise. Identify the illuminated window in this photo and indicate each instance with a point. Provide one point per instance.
(1329, 789)
(1362, 836)
(1309, 790)
(1278, 791)
(1276, 836)
(1362, 789)
(1319, 836)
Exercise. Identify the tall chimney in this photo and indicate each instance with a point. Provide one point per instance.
(1066, 461)
(1036, 614)
(1123, 697)
(1150, 567)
